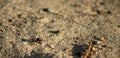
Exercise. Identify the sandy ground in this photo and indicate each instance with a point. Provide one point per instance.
(59, 28)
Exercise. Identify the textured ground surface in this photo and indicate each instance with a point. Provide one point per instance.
(59, 28)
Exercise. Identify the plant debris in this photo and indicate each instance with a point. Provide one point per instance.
(88, 51)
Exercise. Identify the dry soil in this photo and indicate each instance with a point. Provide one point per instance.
(59, 28)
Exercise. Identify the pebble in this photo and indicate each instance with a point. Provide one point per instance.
(50, 10)
(94, 49)
(96, 52)
(98, 42)
(101, 39)
(52, 46)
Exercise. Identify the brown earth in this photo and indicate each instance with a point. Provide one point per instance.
(59, 28)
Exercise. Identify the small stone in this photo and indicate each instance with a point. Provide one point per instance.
(96, 52)
(94, 49)
(101, 39)
(52, 46)
(51, 10)
(98, 42)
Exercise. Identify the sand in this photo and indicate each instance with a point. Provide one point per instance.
(59, 28)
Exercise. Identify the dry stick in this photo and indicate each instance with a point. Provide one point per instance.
(87, 53)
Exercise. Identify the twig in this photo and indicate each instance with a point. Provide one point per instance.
(87, 53)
